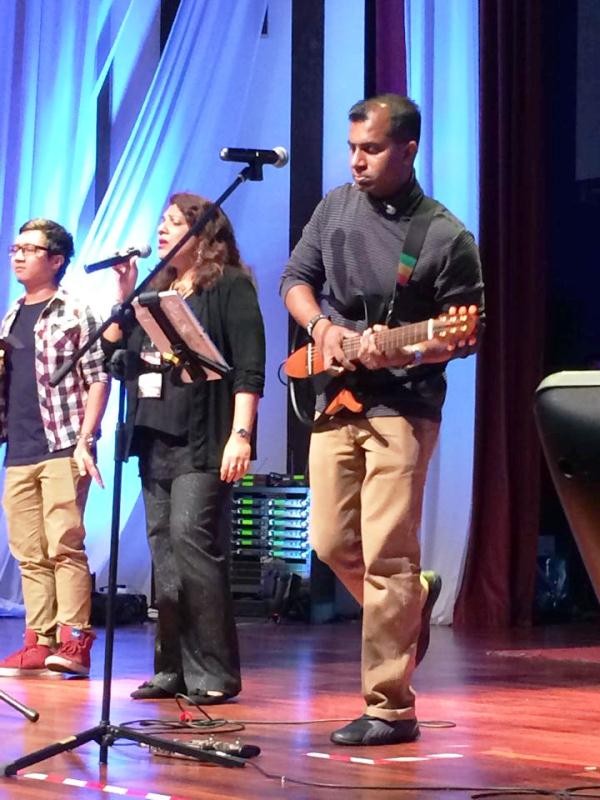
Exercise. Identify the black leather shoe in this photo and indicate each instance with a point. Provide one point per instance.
(151, 691)
(368, 730)
(434, 582)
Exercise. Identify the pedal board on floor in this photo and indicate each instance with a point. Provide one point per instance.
(234, 748)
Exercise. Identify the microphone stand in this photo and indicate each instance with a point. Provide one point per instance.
(31, 714)
(105, 733)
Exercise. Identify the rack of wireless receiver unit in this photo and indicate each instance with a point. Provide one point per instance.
(270, 553)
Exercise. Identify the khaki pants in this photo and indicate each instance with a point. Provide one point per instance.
(44, 506)
(367, 478)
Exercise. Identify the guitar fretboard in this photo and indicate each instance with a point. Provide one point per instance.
(390, 339)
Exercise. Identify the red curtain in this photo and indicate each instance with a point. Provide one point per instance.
(498, 584)
(388, 68)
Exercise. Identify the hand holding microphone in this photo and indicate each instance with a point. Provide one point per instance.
(127, 276)
(120, 257)
(124, 263)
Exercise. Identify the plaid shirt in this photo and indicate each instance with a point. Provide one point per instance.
(64, 325)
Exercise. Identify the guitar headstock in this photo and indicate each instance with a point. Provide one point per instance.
(457, 326)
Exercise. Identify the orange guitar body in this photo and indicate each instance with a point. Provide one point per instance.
(344, 399)
(304, 362)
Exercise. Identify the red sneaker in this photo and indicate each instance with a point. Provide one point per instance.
(29, 660)
(73, 654)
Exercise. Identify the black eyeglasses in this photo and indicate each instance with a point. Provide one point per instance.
(28, 249)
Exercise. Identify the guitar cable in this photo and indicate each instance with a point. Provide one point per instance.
(305, 419)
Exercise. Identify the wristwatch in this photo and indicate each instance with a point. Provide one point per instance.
(243, 433)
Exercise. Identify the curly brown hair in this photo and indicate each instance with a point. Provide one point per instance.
(216, 246)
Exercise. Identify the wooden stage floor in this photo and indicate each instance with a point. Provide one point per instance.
(510, 722)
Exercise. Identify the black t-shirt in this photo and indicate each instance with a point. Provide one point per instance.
(26, 439)
(169, 413)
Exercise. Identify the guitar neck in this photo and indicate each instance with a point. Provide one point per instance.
(392, 338)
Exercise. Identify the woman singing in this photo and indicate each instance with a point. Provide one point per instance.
(193, 441)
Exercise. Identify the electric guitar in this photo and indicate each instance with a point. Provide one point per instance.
(307, 361)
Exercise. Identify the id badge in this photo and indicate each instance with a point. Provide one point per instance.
(150, 383)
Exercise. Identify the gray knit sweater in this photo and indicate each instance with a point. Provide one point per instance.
(349, 252)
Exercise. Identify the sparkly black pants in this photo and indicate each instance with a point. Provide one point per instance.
(188, 521)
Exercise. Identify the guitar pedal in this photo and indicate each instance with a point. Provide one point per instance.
(234, 748)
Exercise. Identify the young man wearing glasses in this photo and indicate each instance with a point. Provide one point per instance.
(50, 434)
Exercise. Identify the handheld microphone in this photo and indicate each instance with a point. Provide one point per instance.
(119, 258)
(278, 156)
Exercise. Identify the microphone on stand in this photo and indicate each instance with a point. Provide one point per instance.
(119, 258)
(278, 156)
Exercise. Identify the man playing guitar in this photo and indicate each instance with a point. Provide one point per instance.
(377, 423)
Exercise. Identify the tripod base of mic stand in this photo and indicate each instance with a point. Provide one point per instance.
(105, 735)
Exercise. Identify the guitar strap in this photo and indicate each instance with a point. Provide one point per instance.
(411, 249)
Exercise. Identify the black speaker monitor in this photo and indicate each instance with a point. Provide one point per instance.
(567, 411)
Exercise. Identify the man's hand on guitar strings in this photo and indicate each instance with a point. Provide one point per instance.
(460, 331)
(330, 342)
(372, 357)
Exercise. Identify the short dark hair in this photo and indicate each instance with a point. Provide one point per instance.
(405, 116)
(60, 241)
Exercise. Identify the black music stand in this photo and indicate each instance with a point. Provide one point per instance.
(105, 733)
(179, 337)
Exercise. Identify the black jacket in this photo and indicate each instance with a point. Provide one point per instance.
(230, 314)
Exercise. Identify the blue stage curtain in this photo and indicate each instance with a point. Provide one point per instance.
(442, 77)
(169, 117)
(50, 65)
